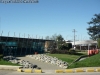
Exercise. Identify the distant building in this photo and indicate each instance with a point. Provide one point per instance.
(84, 45)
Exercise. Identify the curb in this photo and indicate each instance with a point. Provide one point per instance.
(98, 70)
(90, 70)
(7, 67)
(59, 71)
(37, 71)
(28, 71)
(78, 70)
(69, 71)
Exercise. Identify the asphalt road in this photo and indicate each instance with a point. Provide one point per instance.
(6, 72)
(22, 73)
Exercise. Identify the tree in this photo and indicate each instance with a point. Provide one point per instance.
(50, 45)
(60, 41)
(47, 38)
(54, 37)
(98, 42)
(94, 29)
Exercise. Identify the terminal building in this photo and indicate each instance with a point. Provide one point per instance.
(21, 46)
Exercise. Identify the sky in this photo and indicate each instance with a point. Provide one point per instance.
(48, 17)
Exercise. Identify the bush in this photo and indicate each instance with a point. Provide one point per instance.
(65, 46)
(1, 56)
(59, 52)
(69, 45)
(53, 51)
(72, 52)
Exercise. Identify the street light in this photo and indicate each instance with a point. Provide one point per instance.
(57, 43)
(8, 33)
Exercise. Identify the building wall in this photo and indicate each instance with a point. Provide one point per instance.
(21, 46)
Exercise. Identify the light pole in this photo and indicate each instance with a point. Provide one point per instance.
(74, 38)
(8, 33)
(57, 43)
(0, 28)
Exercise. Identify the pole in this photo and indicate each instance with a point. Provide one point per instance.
(74, 37)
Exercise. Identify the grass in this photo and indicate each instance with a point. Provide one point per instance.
(3, 62)
(93, 61)
(66, 57)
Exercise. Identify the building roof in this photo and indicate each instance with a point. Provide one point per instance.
(85, 42)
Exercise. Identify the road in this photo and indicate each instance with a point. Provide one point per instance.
(8, 72)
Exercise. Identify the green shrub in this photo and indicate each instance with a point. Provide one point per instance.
(59, 52)
(72, 52)
(69, 45)
(53, 51)
(1, 56)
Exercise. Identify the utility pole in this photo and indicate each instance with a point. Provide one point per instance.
(0, 29)
(74, 37)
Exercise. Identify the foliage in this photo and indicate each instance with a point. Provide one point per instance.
(59, 51)
(1, 56)
(47, 38)
(94, 29)
(62, 47)
(69, 45)
(54, 37)
(98, 42)
(58, 43)
(65, 46)
(72, 52)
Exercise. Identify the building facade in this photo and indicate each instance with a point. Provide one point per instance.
(84, 45)
(21, 46)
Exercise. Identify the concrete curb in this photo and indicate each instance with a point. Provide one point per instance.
(90, 70)
(8, 67)
(69, 71)
(76, 70)
(28, 70)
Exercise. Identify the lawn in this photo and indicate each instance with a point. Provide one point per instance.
(66, 57)
(3, 62)
(93, 61)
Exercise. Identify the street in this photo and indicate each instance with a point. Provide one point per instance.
(8, 72)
